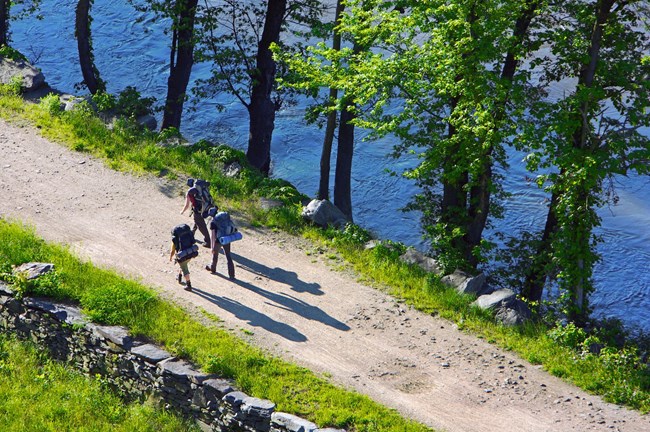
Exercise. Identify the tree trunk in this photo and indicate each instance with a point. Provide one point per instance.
(342, 181)
(86, 61)
(480, 193)
(180, 62)
(4, 22)
(324, 184)
(262, 108)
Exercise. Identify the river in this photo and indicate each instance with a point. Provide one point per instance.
(136, 54)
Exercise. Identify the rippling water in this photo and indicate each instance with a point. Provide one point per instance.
(129, 53)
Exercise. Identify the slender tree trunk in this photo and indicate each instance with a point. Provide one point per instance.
(180, 62)
(345, 151)
(4, 22)
(480, 194)
(535, 279)
(262, 108)
(324, 184)
(88, 68)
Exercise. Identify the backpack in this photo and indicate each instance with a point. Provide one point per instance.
(203, 196)
(222, 224)
(183, 239)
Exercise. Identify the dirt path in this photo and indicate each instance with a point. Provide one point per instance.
(294, 305)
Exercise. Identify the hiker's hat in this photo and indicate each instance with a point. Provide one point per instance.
(190, 182)
(213, 211)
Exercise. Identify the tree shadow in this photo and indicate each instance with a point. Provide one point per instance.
(292, 304)
(279, 275)
(252, 317)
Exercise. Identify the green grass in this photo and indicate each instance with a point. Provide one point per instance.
(619, 376)
(110, 299)
(39, 394)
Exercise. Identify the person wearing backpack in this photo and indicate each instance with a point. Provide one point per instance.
(194, 198)
(220, 226)
(183, 250)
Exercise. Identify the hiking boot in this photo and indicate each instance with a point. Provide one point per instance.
(208, 268)
(188, 287)
(206, 244)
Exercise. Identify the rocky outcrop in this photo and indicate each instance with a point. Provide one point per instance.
(32, 77)
(139, 369)
(413, 256)
(464, 282)
(323, 213)
(509, 309)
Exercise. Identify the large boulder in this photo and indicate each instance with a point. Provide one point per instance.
(464, 282)
(324, 213)
(499, 298)
(32, 77)
(413, 256)
(509, 309)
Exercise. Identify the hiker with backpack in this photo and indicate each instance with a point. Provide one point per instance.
(183, 250)
(223, 232)
(199, 198)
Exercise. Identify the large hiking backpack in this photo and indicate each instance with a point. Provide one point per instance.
(225, 228)
(203, 196)
(184, 243)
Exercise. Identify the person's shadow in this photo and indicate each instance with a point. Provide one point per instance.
(279, 275)
(292, 304)
(252, 317)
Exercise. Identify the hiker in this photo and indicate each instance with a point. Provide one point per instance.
(193, 198)
(220, 226)
(183, 250)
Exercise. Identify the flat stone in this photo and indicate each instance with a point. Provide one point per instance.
(235, 398)
(183, 369)
(151, 353)
(258, 407)
(34, 269)
(118, 335)
(67, 314)
(292, 423)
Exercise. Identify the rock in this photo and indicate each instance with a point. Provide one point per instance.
(32, 77)
(232, 169)
(413, 256)
(324, 213)
(148, 121)
(291, 423)
(515, 314)
(497, 299)
(34, 269)
(464, 282)
(270, 203)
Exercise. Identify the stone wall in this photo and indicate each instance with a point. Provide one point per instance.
(140, 370)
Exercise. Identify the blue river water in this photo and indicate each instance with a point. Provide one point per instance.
(136, 54)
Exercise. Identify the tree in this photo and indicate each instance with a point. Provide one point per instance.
(588, 136)
(243, 62)
(84, 45)
(181, 59)
(434, 65)
(26, 7)
(324, 182)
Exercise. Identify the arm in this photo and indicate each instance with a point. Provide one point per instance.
(173, 251)
(187, 202)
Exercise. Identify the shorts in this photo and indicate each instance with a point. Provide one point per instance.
(184, 268)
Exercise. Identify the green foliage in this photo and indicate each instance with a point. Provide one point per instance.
(58, 398)
(120, 303)
(11, 53)
(13, 88)
(52, 104)
(104, 101)
(131, 104)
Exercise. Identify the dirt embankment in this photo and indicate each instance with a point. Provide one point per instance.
(293, 304)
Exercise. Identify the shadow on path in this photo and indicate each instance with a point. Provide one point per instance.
(292, 304)
(279, 275)
(252, 317)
